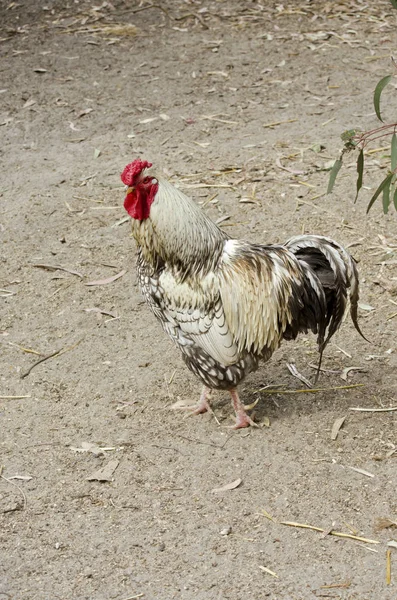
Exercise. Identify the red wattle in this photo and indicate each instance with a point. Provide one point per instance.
(138, 202)
(129, 204)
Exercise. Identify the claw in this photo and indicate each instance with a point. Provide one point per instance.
(243, 420)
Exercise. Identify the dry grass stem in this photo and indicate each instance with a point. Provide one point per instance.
(362, 471)
(269, 571)
(302, 526)
(388, 567)
(271, 125)
(312, 390)
(28, 350)
(25, 502)
(344, 585)
(331, 532)
(268, 516)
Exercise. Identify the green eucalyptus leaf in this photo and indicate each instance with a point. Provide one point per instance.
(394, 151)
(384, 183)
(360, 171)
(332, 176)
(395, 198)
(386, 198)
(378, 92)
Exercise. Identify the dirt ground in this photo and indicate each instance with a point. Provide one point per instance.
(249, 99)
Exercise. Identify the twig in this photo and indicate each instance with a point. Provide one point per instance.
(14, 397)
(168, 448)
(136, 10)
(221, 446)
(25, 502)
(359, 409)
(56, 353)
(196, 16)
(295, 373)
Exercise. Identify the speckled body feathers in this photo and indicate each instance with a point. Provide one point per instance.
(226, 303)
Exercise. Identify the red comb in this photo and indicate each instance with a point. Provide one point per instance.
(132, 171)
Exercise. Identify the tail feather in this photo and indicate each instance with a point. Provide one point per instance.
(334, 268)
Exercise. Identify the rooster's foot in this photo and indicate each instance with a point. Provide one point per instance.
(203, 404)
(242, 419)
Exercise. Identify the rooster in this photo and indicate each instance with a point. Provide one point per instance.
(227, 303)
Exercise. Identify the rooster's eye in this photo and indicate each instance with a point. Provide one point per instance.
(146, 180)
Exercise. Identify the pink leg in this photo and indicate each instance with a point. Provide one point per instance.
(242, 419)
(203, 404)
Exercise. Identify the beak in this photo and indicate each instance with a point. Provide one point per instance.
(129, 189)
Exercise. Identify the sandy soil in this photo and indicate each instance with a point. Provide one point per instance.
(192, 86)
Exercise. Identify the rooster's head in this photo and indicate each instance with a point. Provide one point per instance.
(141, 190)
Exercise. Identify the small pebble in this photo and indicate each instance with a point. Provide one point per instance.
(226, 531)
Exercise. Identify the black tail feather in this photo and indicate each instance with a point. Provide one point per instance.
(332, 273)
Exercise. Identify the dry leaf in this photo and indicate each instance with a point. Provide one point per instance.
(105, 474)
(90, 447)
(364, 306)
(252, 405)
(148, 120)
(21, 477)
(384, 523)
(86, 111)
(229, 486)
(107, 280)
(179, 404)
(29, 102)
(347, 370)
(56, 268)
(336, 426)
